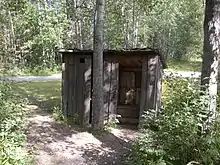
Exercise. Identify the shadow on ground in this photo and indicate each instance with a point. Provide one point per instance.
(57, 143)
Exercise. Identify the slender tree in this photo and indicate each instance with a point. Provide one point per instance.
(97, 96)
(211, 51)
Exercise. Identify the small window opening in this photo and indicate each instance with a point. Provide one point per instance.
(82, 60)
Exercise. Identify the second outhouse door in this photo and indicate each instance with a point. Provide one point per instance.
(129, 93)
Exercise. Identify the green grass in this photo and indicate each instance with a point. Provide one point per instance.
(45, 94)
(12, 120)
(187, 66)
(29, 71)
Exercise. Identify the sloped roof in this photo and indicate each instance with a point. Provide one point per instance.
(121, 52)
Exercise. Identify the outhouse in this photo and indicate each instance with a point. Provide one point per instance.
(132, 83)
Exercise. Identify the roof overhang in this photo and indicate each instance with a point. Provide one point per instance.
(121, 52)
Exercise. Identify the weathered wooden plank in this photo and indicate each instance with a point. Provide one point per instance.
(124, 120)
(159, 85)
(127, 111)
(75, 98)
(80, 91)
(151, 84)
(111, 73)
(113, 91)
(64, 91)
(106, 87)
(87, 91)
(138, 79)
(72, 102)
(133, 80)
(131, 69)
(76, 89)
(138, 92)
(122, 95)
(144, 79)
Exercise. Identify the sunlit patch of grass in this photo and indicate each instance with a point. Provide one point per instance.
(45, 93)
(15, 71)
(187, 66)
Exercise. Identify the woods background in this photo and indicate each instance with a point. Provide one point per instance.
(32, 30)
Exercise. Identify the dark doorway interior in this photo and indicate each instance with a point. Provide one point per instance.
(129, 95)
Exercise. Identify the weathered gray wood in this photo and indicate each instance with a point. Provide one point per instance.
(111, 74)
(159, 86)
(131, 69)
(75, 98)
(76, 87)
(127, 111)
(106, 87)
(151, 83)
(113, 90)
(124, 120)
(144, 79)
(138, 93)
(72, 86)
(64, 90)
(87, 91)
(76, 90)
(127, 87)
(80, 92)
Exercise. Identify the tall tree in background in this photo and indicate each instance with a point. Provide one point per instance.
(211, 51)
(31, 29)
(97, 96)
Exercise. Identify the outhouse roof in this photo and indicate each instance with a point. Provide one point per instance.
(118, 52)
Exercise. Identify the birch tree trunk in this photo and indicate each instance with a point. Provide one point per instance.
(211, 52)
(97, 94)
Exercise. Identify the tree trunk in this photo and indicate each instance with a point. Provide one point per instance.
(211, 52)
(97, 94)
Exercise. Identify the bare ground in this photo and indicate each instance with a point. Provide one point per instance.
(54, 143)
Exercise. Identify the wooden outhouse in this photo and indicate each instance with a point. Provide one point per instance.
(132, 83)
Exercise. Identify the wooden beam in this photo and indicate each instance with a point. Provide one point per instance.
(64, 91)
(131, 69)
(159, 85)
(143, 85)
(72, 83)
(80, 92)
(87, 91)
(152, 84)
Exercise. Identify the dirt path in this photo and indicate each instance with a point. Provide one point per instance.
(54, 143)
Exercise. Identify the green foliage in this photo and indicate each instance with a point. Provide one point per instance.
(184, 65)
(58, 114)
(36, 71)
(112, 123)
(11, 125)
(30, 34)
(46, 93)
(32, 31)
(174, 136)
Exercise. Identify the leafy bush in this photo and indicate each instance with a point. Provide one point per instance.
(11, 125)
(174, 137)
(58, 114)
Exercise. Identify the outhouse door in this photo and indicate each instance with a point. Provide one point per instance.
(129, 94)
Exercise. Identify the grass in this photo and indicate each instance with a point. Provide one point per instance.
(187, 66)
(12, 137)
(29, 71)
(45, 93)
